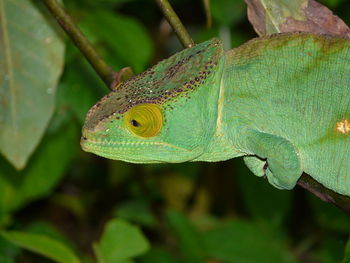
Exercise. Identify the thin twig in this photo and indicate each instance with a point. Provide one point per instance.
(207, 9)
(175, 23)
(103, 70)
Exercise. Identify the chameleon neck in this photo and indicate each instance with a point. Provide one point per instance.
(221, 146)
(238, 107)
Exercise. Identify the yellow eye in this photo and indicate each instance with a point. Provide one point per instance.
(144, 120)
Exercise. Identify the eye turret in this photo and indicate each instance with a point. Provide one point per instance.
(144, 120)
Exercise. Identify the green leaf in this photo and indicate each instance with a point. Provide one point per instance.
(189, 240)
(332, 3)
(79, 88)
(228, 12)
(45, 170)
(137, 211)
(8, 251)
(246, 242)
(42, 245)
(120, 242)
(347, 253)
(9, 199)
(49, 230)
(124, 36)
(158, 255)
(92, 4)
(30, 63)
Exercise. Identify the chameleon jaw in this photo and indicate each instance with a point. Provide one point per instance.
(131, 151)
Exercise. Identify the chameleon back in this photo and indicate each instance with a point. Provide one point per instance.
(296, 86)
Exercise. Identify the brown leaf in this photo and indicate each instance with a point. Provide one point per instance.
(319, 20)
(256, 16)
(312, 17)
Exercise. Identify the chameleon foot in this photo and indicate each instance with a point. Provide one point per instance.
(284, 167)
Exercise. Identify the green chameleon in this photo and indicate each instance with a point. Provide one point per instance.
(281, 101)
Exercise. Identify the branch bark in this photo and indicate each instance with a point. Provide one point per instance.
(175, 23)
(104, 71)
(208, 15)
(329, 196)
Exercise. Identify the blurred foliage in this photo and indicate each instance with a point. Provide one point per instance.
(120, 241)
(43, 245)
(67, 204)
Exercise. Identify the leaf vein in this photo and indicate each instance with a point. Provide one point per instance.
(9, 74)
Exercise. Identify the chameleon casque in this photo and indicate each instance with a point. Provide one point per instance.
(281, 101)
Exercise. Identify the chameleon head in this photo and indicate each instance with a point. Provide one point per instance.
(165, 114)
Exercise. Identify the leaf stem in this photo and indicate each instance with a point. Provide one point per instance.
(206, 4)
(175, 23)
(103, 70)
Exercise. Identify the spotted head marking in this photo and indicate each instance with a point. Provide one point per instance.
(170, 79)
(159, 97)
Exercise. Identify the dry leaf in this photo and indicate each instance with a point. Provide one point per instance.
(277, 16)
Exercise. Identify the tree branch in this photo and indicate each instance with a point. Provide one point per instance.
(104, 71)
(341, 201)
(208, 15)
(175, 23)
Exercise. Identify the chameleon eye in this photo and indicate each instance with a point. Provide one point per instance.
(144, 120)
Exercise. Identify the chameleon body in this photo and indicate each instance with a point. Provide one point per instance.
(281, 101)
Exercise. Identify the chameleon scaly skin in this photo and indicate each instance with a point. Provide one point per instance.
(185, 86)
(281, 99)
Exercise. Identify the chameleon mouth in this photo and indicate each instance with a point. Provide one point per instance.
(90, 145)
(125, 151)
(83, 143)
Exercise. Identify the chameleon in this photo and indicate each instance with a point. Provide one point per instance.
(282, 102)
